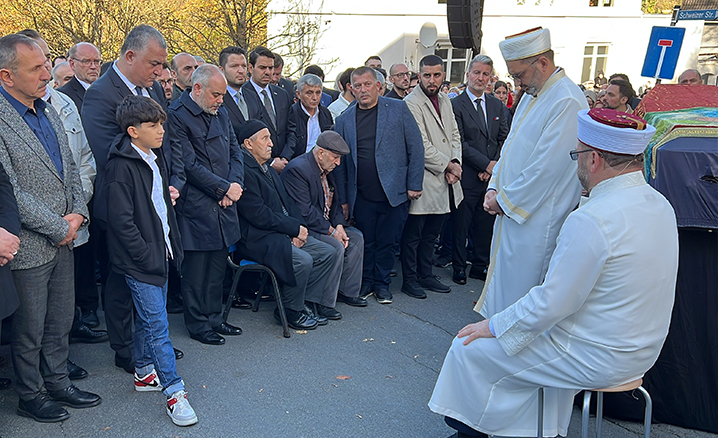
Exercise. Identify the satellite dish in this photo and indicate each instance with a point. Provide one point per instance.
(428, 35)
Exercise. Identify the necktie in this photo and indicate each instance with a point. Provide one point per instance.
(268, 107)
(138, 90)
(242, 105)
(480, 110)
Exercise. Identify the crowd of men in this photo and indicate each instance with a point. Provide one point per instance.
(146, 175)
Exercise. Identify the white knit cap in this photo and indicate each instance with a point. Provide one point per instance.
(628, 140)
(525, 44)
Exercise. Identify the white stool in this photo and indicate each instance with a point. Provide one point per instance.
(630, 386)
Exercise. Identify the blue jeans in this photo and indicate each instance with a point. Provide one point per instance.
(152, 346)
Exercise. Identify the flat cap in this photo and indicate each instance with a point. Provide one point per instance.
(332, 141)
(250, 128)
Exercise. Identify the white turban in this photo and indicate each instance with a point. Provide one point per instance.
(525, 44)
(599, 130)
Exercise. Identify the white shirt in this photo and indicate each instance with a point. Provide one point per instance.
(261, 96)
(158, 199)
(130, 85)
(338, 106)
(313, 129)
(482, 100)
(84, 84)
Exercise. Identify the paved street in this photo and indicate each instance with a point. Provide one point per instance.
(368, 375)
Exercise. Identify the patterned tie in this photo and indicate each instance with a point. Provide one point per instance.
(242, 105)
(480, 111)
(268, 107)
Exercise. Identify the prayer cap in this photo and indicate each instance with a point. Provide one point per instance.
(614, 131)
(250, 128)
(332, 141)
(526, 44)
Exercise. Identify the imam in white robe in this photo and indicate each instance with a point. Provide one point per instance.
(537, 188)
(599, 319)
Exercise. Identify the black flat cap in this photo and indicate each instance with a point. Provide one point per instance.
(250, 128)
(332, 141)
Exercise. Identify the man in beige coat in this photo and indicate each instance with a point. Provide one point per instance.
(442, 172)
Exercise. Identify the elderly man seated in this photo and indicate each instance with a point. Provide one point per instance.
(601, 315)
(275, 234)
(310, 183)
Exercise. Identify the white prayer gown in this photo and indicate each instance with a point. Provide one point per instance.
(599, 319)
(537, 188)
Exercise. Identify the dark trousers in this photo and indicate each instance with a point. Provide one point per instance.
(86, 296)
(202, 277)
(313, 264)
(381, 224)
(417, 245)
(470, 218)
(41, 325)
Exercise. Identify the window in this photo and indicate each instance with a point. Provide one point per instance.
(595, 56)
(454, 63)
(605, 3)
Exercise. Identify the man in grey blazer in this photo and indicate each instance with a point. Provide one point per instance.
(383, 171)
(35, 154)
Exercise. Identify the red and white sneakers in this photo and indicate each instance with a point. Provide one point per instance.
(149, 382)
(179, 409)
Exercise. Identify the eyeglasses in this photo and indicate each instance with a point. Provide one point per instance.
(88, 62)
(404, 74)
(518, 76)
(574, 153)
(167, 82)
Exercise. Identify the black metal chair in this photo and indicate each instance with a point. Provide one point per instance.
(266, 273)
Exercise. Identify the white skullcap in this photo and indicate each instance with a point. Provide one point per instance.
(525, 44)
(614, 131)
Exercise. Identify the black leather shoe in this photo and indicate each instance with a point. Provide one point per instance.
(241, 303)
(43, 409)
(209, 337)
(442, 261)
(227, 329)
(90, 319)
(86, 335)
(310, 312)
(459, 276)
(352, 301)
(432, 283)
(5, 383)
(126, 363)
(74, 372)
(178, 354)
(173, 307)
(327, 312)
(412, 289)
(76, 398)
(392, 273)
(478, 272)
(297, 320)
(366, 291)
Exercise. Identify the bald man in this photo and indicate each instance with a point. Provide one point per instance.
(182, 66)
(690, 77)
(85, 62)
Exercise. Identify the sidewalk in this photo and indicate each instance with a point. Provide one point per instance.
(368, 375)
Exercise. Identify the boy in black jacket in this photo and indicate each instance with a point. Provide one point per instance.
(142, 239)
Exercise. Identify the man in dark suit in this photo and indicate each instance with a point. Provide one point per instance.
(272, 105)
(384, 170)
(233, 62)
(141, 58)
(310, 183)
(274, 233)
(311, 117)
(9, 244)
(278, 79)
(85, 62)
(183, 66)
(206, 214)
(35, 154)
(483, 125)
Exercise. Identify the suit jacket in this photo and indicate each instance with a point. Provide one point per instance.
(284, 136)
(212, 162)
(478, 146)
(326, 122)
(10, 221)
(43, 195)
(75, 91)
(442, 144)
(287, 86)
(399, 152)
(334, 94)
(235, 115)
(302, 179)
(101, 128)
(266, 230)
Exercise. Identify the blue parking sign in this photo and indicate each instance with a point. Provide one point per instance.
(662, 53)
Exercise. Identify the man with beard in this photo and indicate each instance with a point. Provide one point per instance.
(166, 81)
(206, 214)
(618, 93)
(399, 77)
(533, 187)
(442, 171)
(233, 62)
(598, 319)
